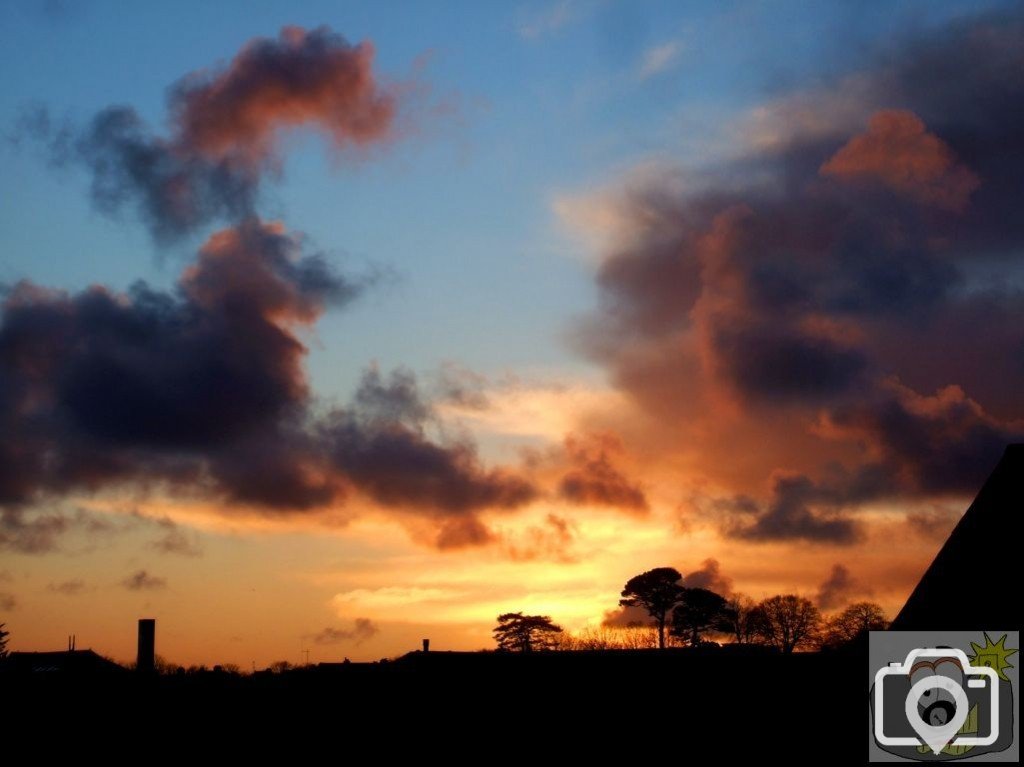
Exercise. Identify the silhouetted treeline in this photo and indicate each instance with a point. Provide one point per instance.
(681, 616)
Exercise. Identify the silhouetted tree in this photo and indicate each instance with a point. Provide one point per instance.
(698, 612)
(3, 640)
(856, 620)
(657, 591)
(163, 666)
(524, 633)
(788, 621)
(745, 619)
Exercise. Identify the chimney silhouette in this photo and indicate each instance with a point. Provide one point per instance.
(426, 645)
(146, 661)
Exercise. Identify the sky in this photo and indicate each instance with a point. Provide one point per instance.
(326, 330)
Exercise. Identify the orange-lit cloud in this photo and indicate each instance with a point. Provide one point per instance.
(226, 125)
(303, 77)
(593, 478)
(898, 151)
(789, 323)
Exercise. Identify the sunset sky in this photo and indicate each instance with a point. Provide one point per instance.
(337, 328)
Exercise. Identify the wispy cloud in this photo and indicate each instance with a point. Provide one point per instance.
(175, 540)
(68, 588)
(143, 581)
(549, 20)
(660, 58)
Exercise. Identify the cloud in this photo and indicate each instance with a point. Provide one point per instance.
(541, 411)
(593, 479)
(659, 59)
(203, 390)
(626, 617)
(40, 532)
(174, 540)
(302, 78)
(396, 600)
(709, 576)
(200, 391)
(34, 535)
(102, 387)
(551, 541)
(381, 446)
(898, 152)
(799, 509)
(226, 125)
(70, 588)
(550, 19)
(362, 629)
(934, 525)
(941, 444)
(143, 581)
(816, 311)
(7, 602)
(839, 588)
(463, 388)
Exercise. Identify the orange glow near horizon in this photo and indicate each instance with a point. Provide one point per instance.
(262, 590)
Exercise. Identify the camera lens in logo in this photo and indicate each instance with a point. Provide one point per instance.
(936, 707)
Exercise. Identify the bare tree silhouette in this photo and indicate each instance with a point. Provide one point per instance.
(745, 619)
(788, 621)
(853, 622)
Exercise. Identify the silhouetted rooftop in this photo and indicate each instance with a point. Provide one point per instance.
(66, 661)
(967, 585)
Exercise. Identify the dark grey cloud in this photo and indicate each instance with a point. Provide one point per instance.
(626, 617)
(141, 580)
(30, 534)
(593, 477)
(381, 445)
(836, 282)
(69, 588)
(838, 588)
(174, 192)
(225, 123)
(945, 444)
(799, 509)
(99, 388)
(766, 364)
(362, 629)
(175, 540)
(203, 391)
(709, 576)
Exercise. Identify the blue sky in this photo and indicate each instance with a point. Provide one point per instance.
(548, 98)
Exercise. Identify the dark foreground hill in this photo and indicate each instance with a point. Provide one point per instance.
(708, 706)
